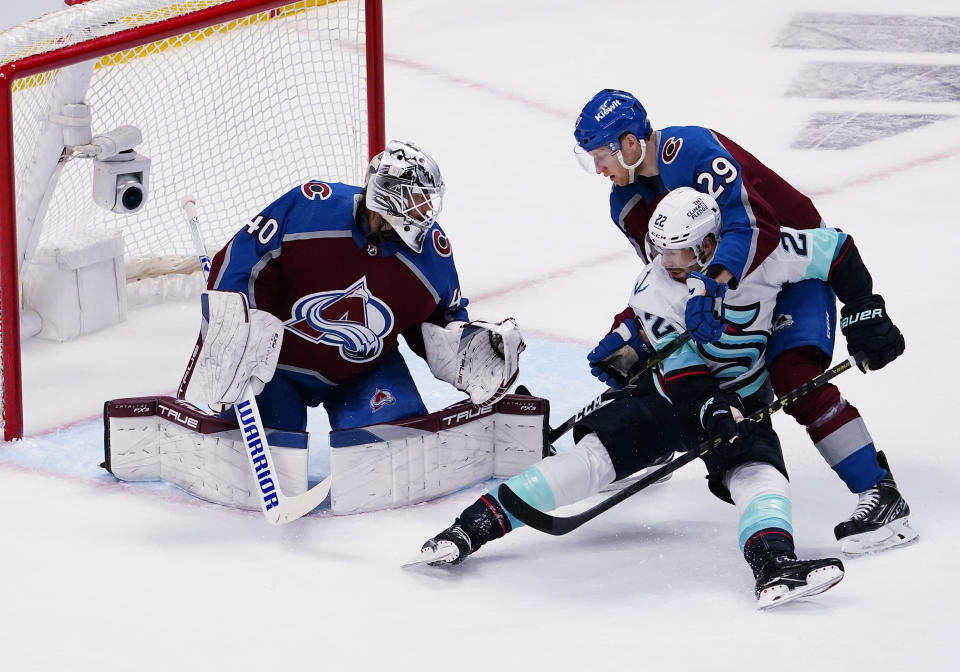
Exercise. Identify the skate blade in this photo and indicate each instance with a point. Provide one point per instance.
(892, 535)
(818, 581)
(441, 554)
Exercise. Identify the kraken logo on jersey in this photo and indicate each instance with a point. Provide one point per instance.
(352, 319)
(739, 350)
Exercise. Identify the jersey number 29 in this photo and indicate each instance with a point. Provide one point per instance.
(723, 171)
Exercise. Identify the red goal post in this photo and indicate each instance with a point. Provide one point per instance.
(236, 101)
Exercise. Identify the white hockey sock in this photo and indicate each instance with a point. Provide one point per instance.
(762, 496)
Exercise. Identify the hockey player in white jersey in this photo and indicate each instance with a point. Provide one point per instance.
(709, 388)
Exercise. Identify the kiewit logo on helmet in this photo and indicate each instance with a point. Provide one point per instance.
(606, 109)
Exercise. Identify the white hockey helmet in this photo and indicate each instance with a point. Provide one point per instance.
(404, 186)
(682, 219)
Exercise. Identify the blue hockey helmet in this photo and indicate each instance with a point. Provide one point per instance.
(607, 116)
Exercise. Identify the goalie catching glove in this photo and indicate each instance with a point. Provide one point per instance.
(240, 345)
(479, 358)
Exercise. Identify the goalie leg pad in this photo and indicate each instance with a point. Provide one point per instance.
(414, 460)
(165, 439)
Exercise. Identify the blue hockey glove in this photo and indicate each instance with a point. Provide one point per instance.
(617, 353)
(704, 311)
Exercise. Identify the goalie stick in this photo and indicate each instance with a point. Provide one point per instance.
(277, 507)
(558, 525)
(633, 375)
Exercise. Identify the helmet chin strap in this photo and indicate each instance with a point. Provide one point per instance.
(632, 169)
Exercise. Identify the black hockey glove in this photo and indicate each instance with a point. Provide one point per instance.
(868, 329)
(720, 415)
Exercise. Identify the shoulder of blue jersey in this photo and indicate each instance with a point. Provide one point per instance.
(436, 264)
(438, 244)
(681, 149)
(316, 206)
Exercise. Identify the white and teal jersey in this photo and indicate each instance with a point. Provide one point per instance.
(737, 359)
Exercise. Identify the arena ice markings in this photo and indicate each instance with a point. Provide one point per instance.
(842, 130)
(927, 84)
(911, 82)
(872, 32)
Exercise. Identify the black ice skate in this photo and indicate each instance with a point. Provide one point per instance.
(784, 579)
(450, 547)
(880, 520)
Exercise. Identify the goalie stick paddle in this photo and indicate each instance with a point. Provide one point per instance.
(558, 525)
(277, 508)
(609, 395)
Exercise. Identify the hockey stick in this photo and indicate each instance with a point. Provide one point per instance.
(277, 507)
(558, 525)
(609, 395)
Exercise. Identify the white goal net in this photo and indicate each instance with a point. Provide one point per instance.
(234, 112)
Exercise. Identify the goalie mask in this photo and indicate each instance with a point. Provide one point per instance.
(404, 187)
(681, 221)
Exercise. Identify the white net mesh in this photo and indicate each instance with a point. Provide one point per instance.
(235, 114)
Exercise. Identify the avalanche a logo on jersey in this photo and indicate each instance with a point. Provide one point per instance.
(670, 149)
(381, 398)
(352, 319)
(314, 189)
(441, 243)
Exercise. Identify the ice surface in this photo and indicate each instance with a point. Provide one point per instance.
(100, 575)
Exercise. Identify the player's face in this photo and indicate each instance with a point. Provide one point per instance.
(679, 263)
(377, 223)
(420, 205)
(607, 162)
(380, 229)
(612, 160)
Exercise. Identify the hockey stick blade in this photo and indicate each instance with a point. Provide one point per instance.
(292, 508)
(558, 525)
(628, 391)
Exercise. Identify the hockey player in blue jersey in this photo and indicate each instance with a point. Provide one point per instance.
(305, 307)
(698, 392)
(343, 271)
(616, 139)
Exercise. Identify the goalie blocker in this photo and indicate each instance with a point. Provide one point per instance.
(372, 467)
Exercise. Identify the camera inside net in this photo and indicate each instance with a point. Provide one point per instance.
(120, 174)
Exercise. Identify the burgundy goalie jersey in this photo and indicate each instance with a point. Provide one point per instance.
(343, 300)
